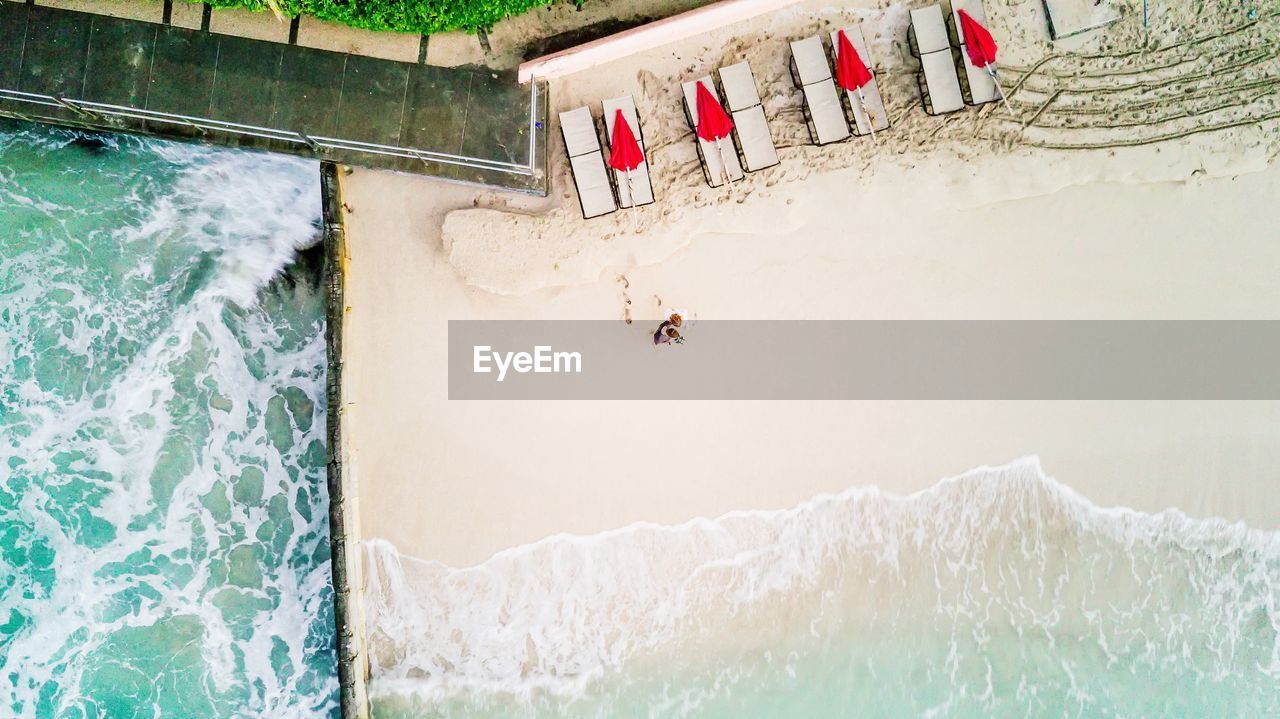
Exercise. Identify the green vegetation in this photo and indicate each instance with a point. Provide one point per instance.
(417, 16)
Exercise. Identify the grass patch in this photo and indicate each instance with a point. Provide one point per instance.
(416, 16)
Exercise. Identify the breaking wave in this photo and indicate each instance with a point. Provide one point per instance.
(163, 525)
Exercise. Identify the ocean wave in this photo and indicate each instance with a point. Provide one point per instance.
(161, 434)
(1000, 590)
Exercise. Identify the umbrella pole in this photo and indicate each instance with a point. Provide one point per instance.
(1003, 99)
(631, 190)
(724, 164)
(871, 119)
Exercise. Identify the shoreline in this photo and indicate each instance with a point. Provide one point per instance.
(569, 619)
(1030, 462)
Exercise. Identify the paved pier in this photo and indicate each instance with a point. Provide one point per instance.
(107, 73)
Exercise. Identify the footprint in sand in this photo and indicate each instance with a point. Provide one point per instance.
(626, 299)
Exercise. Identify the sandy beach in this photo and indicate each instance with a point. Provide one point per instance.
(927, 223)
(1130, 186)
(457, 481)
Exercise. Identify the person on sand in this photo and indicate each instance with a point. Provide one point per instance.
(669, 330)
(667, 333)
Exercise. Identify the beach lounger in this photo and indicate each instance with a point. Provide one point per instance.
(811, 72)
(586, 161)
(871, 92)
(939, 84)
(978, 85)
(715, 160)
(640, 180)
(742, 99)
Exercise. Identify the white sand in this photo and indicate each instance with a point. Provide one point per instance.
(457, 481)
(930, 223)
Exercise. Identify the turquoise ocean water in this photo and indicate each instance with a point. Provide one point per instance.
(163, 527)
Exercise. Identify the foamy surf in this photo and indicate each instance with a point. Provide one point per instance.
(999, 592)
(161, 433)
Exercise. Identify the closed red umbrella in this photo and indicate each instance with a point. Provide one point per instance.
(714, 124)
(625, 154)
(977, 41)
(982, 50)
(852, 74)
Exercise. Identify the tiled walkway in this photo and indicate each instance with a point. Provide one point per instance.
(101, 72)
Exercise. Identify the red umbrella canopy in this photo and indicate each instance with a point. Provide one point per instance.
(979, 43)
(713, 123)
(851, 72)
(625, 153)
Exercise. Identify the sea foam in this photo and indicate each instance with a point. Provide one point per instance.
(161, 434)
(997, 592)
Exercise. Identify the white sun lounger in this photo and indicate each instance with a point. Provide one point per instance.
(871, 92)
(939, 84)
(586, 161)
(716, 161)
(810, 71)
(982, 89)
(742, 99)
(640, 181)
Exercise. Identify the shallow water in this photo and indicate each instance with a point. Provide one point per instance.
(163, 526)
(998, 593)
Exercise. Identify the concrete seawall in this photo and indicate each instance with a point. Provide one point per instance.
(118, 74)
(343, 515)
